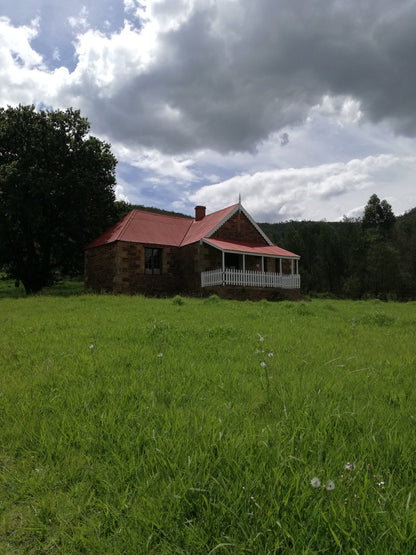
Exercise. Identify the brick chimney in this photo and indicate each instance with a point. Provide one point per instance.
(199, 213)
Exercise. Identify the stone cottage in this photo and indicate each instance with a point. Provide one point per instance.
(224, 252)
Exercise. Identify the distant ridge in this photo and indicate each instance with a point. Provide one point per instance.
(123, 208)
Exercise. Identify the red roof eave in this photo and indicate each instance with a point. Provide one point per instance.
(250, 248)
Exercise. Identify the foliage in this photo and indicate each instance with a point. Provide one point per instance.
(178, 300)
(378, 214)
(132, 425)
(56, 193)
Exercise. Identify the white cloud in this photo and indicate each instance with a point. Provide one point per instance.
(135, 7)
(23, 77)
(312, 193)
(191, 92)
(343, 109)
(80, 22)
(107, 64)
(119, 191)
(164, 169)
(15, 49)
(169, 15)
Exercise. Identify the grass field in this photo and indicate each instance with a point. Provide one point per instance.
(185, 426)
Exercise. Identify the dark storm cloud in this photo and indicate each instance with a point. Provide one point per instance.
(234, 80)
(225, 75)
(284, 139)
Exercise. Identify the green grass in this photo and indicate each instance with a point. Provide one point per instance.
(10, 289)
(134, 425)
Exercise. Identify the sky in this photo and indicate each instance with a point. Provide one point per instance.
(303, 108)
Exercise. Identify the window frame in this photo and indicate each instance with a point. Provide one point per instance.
(155, 259)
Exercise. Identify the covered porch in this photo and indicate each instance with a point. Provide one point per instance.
(252, 265)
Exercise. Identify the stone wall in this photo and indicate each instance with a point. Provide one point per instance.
(210, 258)
(239, 228)
(119, 268)
(191, 259)
(100, 268)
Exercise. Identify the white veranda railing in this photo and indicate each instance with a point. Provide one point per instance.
(246, 278)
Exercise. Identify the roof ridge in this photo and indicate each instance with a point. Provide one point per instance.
(125, 224)
(187, 231)
(161, 214)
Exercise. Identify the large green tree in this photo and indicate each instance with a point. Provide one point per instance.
(56, 192)
(378, 214)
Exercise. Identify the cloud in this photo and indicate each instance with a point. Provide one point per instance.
(120, 190)
(186, 90)
(224, 76)
(304, 193)
(135, 9)
(195, 77)
(284, 139)
(80, 22)
(15, 49)
(162, 168)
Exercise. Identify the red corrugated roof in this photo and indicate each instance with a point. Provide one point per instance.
(250, 248)
(140, 226)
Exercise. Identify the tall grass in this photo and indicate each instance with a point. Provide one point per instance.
(131, 425)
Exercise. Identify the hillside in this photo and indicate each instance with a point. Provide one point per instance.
(343, 258)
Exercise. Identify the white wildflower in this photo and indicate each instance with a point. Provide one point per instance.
(315, 482)
(329, 486)
(349, 466)
(270, 355)
(91, 346)
(263, 364)
(160, 355)
(260, 337)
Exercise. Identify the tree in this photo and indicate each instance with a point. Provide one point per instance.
(378, 214)
(122, 208)
(56, 192)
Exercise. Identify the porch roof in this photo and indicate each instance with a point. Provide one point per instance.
(250, 248)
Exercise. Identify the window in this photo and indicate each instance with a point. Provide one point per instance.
(152, 260)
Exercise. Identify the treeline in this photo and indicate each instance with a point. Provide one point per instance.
(371, 257)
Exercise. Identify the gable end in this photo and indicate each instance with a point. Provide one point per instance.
(239, 226)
